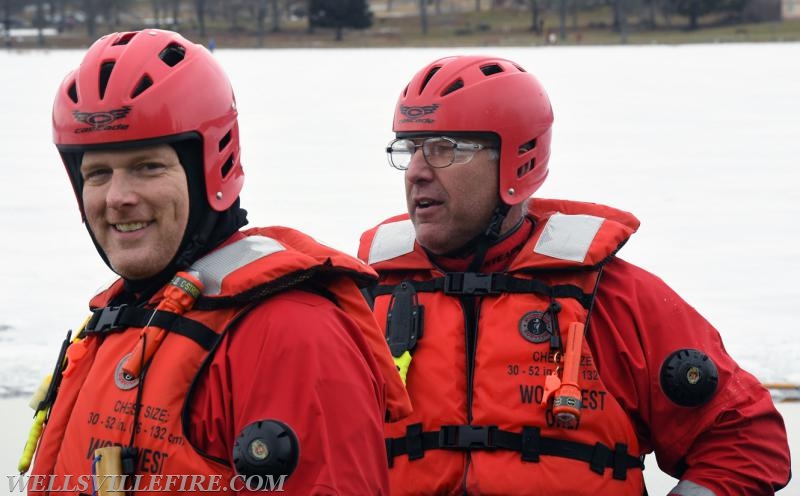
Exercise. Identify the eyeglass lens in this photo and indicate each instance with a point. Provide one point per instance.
(438, 152)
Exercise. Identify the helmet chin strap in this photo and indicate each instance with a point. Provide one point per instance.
(198, 241)
(487, 238)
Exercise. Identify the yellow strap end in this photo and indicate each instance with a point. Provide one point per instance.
(402, 363)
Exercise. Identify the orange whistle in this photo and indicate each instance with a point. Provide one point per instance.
(567, 400)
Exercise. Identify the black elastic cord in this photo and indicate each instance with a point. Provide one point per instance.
(139, 392)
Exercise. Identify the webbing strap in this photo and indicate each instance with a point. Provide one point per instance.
(117, 318)
(529, 443)
(477, 283)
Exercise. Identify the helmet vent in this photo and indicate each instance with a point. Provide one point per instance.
(105, 75)
(124, 39)
(525, 168)
(520, 68)
(224, 141)
(72, 92)
(488, 70)
(227, 166)
(173, 54)
(428, 78)
(526, 147)
(456, 85)
(144, 83)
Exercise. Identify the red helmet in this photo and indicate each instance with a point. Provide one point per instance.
(153, 86)
(484, 94)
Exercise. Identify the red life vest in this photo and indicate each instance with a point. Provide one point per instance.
(482, 347)
(96, 402)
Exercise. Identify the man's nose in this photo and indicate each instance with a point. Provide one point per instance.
(120, 191)
(418, 168)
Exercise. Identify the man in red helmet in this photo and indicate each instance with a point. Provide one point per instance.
(221, 360)
(537, 361)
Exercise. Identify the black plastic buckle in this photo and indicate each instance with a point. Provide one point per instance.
(104, 320)
(463, 437)
(468, 283)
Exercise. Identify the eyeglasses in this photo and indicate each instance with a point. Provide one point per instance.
(439, 151)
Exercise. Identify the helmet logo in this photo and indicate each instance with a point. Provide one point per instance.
(101, 121)
(417, 113)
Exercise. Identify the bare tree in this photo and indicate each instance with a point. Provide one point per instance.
(9, 8)
(232, 10)
(477, 5)
(62, 15)
(649, 13)
(536, 20)
(621, 20)
(423, 16)
(276, 16)
(176, 12)
(38, 22)
(200, 9)
(261, 15)
(575, 11)
(90, 9)
(157, 12)
(667, 9)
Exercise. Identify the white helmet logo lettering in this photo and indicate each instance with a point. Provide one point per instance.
(415, 113)
(101, 121)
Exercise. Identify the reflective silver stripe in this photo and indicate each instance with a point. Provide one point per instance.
(689, 488)
(392, 240)
(568, 237)
(215, 266)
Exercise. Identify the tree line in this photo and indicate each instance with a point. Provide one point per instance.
(269, 15)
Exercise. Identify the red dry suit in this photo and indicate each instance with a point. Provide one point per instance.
(281, 332)
(482, 346)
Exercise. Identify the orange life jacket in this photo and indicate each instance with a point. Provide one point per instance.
(96, 401)
(479, 424)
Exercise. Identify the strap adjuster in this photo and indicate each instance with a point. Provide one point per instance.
(469, 283)
(106, 319)
(414, 446)
(461, 437)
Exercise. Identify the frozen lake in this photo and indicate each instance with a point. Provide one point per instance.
(700, 142)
